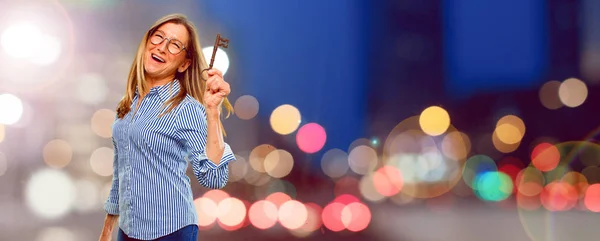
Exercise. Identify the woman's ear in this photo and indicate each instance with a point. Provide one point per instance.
(184, 66)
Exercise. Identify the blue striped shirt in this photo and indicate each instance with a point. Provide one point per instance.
(150, 191)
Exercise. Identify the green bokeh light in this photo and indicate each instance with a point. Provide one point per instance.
(493, 186)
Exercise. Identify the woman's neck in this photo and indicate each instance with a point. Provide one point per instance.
(153, 82)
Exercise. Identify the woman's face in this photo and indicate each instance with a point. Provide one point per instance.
(166, 51)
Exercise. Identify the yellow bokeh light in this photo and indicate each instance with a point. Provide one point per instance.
(572, 92)
(279, 163)
(510, 129)
(502, 146)
(508, 133)
(434, 121)
(258, 155)
(285, 119)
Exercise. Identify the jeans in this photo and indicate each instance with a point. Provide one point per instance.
(187, 233)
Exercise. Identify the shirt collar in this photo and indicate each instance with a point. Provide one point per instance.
(165, 91)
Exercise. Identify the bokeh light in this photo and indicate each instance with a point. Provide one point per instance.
(279, 163)
(456, 145)
(549, 95)
(207, 211)
(101, 122)
(572, 92)
(246, 107)
(292, 214)
(313, 221)
(57, 153)
(221, 58)
(510, 129)
(545, 157)
(231, 211)
(263, 214)
(334, 163)
(11, 109)
(362, 159)
(558, 196)
(592, 198)
(368, 190)
(493, 186)
(530, 181)
(356, 216)
(434, 120)
(475, 166)
(258, 155)
(21, 40)
(332, 216)
(49, 50)
(56, 233)
(238, 169)
(311, 138)
(388, 181)
(50, 193)
(285, 119)
(101, 161)
(429, 167)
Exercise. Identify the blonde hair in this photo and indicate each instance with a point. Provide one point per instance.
(192, 80)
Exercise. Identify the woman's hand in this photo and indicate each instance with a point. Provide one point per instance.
(216, 90)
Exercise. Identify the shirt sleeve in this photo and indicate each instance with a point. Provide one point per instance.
(192, 132)
(111, 206)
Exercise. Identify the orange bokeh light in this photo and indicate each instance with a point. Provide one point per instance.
(545, 157)
(592, 198)
(388, 181)
(559, 196)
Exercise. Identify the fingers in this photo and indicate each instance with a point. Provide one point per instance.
(216, 84)
(213, 71)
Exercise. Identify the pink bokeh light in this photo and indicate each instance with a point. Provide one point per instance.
(311, 138)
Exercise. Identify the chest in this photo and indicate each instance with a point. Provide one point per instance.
(144, 125)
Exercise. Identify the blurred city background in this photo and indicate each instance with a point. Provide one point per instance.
(355, 120)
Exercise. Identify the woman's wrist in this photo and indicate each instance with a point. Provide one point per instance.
(212, 113)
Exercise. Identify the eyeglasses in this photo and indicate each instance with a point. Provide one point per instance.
(173, 45)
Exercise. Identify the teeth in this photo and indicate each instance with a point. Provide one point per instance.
(158, 58)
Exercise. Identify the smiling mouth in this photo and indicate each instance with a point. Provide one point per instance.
(157, 59)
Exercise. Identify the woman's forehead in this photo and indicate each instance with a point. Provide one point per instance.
(177, 31)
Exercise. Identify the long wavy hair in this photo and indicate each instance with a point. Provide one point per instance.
(193, 79)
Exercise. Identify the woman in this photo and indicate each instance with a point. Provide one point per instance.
(169, 115)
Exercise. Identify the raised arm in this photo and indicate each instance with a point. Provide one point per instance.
(193, 131)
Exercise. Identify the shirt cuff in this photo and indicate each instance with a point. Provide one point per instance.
(228, 157)
(111, 208)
